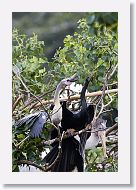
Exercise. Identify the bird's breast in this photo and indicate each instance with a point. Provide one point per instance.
(56, 115)
(92, 141)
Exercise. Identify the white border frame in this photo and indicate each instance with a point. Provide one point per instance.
(123, 174)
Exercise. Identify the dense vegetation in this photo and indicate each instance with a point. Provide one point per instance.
(92, 50)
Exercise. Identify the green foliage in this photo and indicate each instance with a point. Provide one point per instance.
(52, 27)
(93, 48)
(28, 59)
(86, 52)
(96, 163)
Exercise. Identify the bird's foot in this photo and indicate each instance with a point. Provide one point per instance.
(70, 132)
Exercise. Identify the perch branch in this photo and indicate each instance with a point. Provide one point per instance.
(20, 162)
(88, 127)
(76, 97)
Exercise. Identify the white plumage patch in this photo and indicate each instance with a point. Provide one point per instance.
(77, 138)
(92, 141)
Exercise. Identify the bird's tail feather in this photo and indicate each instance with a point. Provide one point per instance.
(69, 158)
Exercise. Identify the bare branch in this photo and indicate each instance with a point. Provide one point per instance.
(109, 130)
(76, 97)
(101, 99)
(19, 98)
(19, 78)
(35, 100)
(86, 129)
(107, 76)
(67, 135)
(43, 168)
(59, 154)
(115, 52)
(113, 71)
(20, 162)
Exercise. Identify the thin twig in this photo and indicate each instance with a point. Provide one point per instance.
(115, 52)
(32, 164)
(35, 100)
(19, 78)
(19, 98)
(112, 73)
(19, 144)
(107, 76)
(59, 153)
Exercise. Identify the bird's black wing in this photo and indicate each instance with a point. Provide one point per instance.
(37, 127)
(71, 156)
(26, 120)
(34, 122)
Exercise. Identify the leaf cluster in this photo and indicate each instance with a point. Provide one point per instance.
(87, 52)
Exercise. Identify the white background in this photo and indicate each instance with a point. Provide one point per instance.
(133, 104)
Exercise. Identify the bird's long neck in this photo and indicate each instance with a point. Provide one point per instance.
(57, 93)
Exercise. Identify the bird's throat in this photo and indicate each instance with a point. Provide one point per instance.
(57, 94)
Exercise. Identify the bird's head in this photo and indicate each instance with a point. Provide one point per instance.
(63, 103)
(99, 125)
(69, 81)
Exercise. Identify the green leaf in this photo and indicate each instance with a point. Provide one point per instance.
(15, 168)
(20, 136)
(100, 79)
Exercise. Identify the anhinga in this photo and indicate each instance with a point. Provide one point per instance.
(71, 157)
(72, 150)
(97, 134)
(57, 110)
(35, 121)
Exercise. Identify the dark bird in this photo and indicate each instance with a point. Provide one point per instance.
(71, 157)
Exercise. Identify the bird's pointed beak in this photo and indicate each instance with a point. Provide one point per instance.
(102, 135)
(73, 78)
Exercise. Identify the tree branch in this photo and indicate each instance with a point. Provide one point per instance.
(109, 130)
(19, 98)
(86, 129)
(44, 168)
(107, 75)
(59, 153)
(31, 164)
(76, 97)
(35, 100)
(22, 82)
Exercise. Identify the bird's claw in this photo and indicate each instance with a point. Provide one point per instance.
(70, 132)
